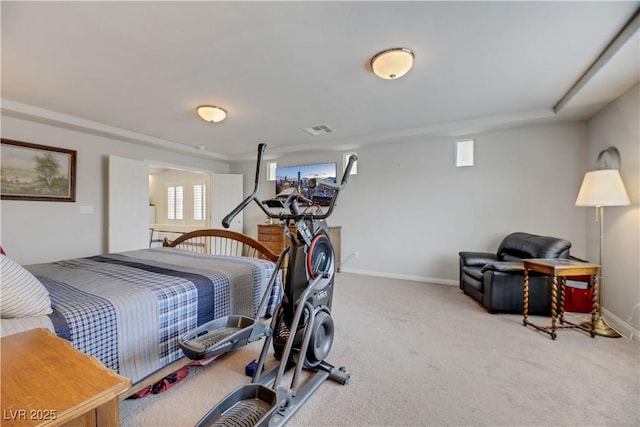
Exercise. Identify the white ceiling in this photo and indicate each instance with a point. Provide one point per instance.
(137, 70)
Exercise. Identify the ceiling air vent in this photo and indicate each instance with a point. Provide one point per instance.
(319, 130)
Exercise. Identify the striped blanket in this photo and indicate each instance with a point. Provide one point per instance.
(129, 309)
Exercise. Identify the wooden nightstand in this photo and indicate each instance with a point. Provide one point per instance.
(46, 381)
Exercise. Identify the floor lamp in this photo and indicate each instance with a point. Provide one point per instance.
(602, 188)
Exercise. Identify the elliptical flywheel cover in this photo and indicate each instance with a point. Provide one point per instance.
(319, 256)
(321, 338)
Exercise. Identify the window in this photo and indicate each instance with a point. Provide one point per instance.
(271, 171)
(199, 202)
(175, 202)
(464, 153)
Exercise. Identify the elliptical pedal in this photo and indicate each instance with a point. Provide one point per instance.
(220, 336)
(244, 413)
(249, 405)
(212, 338)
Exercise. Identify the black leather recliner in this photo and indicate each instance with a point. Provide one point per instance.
(497, 280)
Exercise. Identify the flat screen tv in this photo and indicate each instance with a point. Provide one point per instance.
(294, 176)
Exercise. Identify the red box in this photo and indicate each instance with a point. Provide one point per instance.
(578, 300)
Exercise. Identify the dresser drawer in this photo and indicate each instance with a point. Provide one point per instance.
(275, 247)
(266, 237)
(272, 236)
(270, 229)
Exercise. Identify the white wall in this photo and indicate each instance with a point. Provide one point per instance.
(35, 232)
(618, 125)
(409, 210)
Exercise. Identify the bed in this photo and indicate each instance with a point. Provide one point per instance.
(129, 309)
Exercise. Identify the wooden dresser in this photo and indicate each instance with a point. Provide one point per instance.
(46, 381)
(273, 237)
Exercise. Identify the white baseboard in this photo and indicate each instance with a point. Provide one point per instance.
(623, 328)
(400, 276)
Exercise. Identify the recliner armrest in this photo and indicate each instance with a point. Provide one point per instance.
(477, 258)
(505, 266)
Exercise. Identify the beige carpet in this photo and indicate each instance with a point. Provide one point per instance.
(423, 354)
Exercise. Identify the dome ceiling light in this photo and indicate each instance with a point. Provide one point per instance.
(211, 113)
(393, 63)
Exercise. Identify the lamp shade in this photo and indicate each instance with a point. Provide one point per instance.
(211, 113)
(602, 188)
(392, 63)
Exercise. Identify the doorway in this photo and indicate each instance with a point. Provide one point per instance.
(179, 202)
(183, 200)
(139, 202)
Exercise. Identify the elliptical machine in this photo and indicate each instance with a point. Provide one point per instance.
(301, 330)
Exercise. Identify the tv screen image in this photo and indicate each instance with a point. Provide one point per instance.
(299, 176)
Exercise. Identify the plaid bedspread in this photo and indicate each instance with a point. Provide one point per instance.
(129, 309)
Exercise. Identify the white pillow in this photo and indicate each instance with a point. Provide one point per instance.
(21, 294)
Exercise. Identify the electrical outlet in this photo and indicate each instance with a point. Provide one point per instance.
(356, 254)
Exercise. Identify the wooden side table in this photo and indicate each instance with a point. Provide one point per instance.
(561, 268)
(46, 381)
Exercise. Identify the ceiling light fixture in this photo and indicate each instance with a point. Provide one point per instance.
(211, 113)
(392, 63)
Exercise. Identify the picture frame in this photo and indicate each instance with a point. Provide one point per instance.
(37, 172)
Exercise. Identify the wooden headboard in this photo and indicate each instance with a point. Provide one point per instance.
(221, 242)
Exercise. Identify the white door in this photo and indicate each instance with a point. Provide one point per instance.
(226, 194)
(128, 204)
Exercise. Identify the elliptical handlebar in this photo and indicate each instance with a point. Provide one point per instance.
(293, 198)
(226, 221)
(336, 187)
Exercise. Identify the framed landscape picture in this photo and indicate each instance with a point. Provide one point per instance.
(37, 172)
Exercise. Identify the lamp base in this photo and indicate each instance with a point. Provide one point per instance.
(602, 329)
